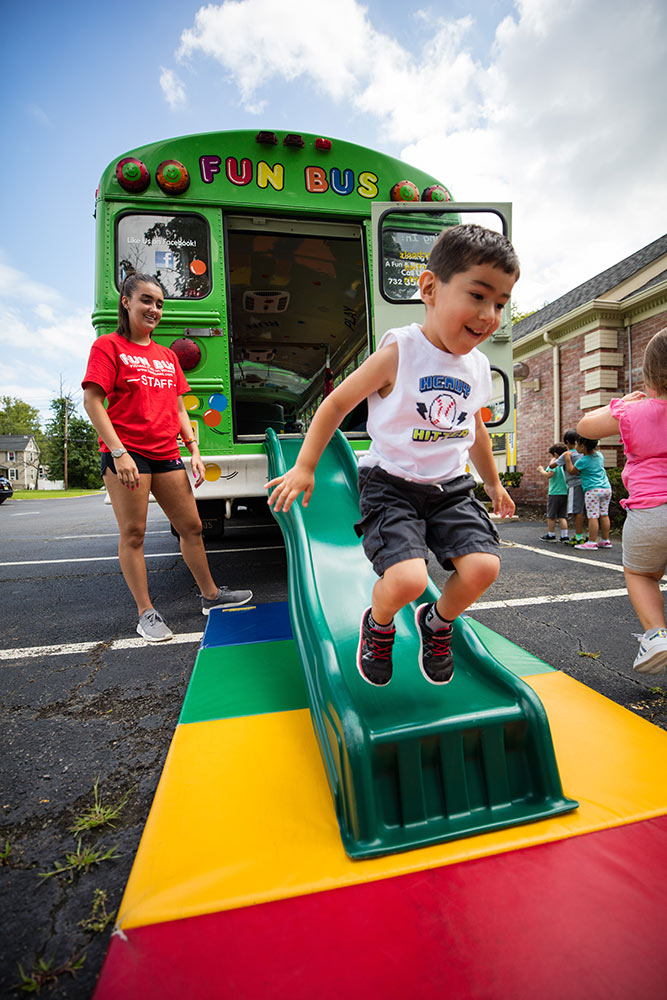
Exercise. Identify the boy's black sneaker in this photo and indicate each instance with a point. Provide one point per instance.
(435, 655)
(374, 652)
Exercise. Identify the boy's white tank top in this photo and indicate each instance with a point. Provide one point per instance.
(423, 430)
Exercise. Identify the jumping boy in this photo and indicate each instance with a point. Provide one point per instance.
(425, 387)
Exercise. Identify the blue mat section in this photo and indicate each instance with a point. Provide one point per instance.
(252, 623)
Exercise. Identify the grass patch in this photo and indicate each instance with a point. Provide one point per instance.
(81, 860)
(99, 918)
(98, 814)
(44, 973)
(53, 494)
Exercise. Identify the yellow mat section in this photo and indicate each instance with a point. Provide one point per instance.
(243, 812)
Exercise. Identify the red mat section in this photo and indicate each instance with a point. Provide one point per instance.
(580, 918)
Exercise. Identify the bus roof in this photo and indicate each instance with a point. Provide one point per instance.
(265, 170)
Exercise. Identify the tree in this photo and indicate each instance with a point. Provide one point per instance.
(17, 417)
(71, 450)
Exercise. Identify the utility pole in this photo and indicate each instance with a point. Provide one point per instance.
(65, 441)
(66, 401)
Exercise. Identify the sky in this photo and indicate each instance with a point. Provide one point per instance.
(556, 107)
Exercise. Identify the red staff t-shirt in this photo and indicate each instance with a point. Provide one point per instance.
(142, 385)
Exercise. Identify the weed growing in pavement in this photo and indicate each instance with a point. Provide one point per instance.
(593, 656)
(6, 853)
(99, 918)
(81, 860)
(43, 973)
(98, 814)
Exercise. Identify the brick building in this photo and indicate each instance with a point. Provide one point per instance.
(580, 351)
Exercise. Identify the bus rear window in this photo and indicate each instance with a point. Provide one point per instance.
(404, 257)
(173, 248)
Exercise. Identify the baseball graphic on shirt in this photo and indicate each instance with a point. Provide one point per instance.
(442, 412)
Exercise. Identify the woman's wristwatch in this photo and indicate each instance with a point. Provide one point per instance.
(117, 452)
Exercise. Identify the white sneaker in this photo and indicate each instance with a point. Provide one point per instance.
(652, 655)
(152, 627)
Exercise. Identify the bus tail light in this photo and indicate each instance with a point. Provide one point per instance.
(188, 353)
(436, 192)
(323, 144)
(132, 174)
(404, 191)
(293, 140)
(172, 177)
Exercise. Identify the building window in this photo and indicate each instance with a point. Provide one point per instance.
(13, 474)
(11, 456)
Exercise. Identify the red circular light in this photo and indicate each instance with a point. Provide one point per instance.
(212, 418)
(188, 353)
(436, 192)
(132, 174)
(405, 191)
(172, 177)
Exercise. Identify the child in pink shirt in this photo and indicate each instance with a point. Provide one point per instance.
(641, 420)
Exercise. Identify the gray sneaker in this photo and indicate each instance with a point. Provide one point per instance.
(226, 599)
(152, 627)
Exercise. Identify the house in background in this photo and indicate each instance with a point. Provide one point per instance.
(581, 351)
(19, 460)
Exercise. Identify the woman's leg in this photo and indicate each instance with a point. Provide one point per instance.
(173, 492)
(646, 597)
(130, 507)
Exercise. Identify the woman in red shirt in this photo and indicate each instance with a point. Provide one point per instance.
(144, 385)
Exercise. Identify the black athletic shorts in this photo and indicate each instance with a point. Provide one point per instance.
(146, 466)
(403, 520)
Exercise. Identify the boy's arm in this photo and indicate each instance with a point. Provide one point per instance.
(547, 473)
(377, 372)
(481, 455)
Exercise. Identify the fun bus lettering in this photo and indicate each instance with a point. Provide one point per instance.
(316, 179)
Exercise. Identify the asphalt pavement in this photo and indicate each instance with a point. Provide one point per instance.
(85, 700)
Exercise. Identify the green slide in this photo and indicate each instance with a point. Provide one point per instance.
(411, 763)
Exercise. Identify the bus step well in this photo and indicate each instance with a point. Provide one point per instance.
(409, 764)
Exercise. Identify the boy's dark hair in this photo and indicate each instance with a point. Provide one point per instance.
(654, 368)
(570, 437)
(462, 247)
(557, 449)
(130, 282)
(587, 443)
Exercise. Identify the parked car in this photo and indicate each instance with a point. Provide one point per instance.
(6, 490)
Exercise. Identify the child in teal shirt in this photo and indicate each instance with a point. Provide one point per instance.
(597, 491)
(557, 497)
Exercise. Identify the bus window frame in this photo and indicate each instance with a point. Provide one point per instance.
(441, 209)
(134, 212)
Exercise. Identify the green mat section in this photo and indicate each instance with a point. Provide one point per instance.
(513, 657)
(230, 681)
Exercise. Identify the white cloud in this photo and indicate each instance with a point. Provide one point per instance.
(43, 339)
(173, 88)
(562, 116)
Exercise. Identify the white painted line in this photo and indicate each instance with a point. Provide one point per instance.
(25, 513)
(70, 648)
(563, 555)
(147, 555)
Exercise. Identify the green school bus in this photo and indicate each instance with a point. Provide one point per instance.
(283, 258)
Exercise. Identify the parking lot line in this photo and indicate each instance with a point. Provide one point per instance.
(147, 555)
(70, 648)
